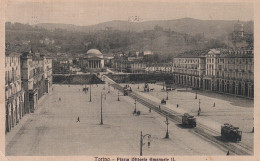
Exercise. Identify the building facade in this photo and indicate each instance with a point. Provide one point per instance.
(159, 68)
(47, 73)
(189, 69)
(14, 93)
(228, 71)
(36, 76)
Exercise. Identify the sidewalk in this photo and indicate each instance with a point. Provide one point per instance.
(9, 136)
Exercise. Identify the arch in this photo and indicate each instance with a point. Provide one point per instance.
(223, 86)
(239, 88)
(233, 88)
(246, 89)
(252, 90)
(228, 86)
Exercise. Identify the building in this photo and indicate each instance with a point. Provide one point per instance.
(108, 60)
(159, 68)
(121, 65)
(47, 73)
(93, 61)
(61, 65)
(137, 67)
(221, 70)
(14, 94)
(238, 32)
(36, 76)
(230, 71)
(189, 69)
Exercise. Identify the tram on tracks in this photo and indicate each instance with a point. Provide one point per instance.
(189, 120)
(231, 132)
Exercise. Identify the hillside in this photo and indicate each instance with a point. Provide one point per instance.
(210, 28)
(54, 38)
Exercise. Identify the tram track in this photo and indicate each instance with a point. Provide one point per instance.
(209, 134)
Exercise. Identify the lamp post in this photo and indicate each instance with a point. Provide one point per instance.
(141, 142)
(163, 85)
(101, 116)
(118, 96)
(104, 83)
(199, 108)
(167, 96)
(90, 92)
(167, 132)
(135, 106)
(199, 104)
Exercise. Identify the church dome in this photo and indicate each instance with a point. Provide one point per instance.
(94, 53)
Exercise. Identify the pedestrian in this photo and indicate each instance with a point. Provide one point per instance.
(78, 119)
(177, 105)
(228, 152)
(198, 113)
(150, 109)
(59, 99)
(214, 104)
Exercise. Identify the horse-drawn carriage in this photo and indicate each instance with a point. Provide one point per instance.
(163, 102)
(127, 90)
(85, 89)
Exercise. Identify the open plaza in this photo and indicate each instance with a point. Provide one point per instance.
(66, 122)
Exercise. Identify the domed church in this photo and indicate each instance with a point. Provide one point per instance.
(93, 60)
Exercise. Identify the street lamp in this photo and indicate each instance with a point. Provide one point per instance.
(104, 84)
(167, 96)
(101, 116)
(135, 107)
(167, 132)
(163, 85)
(199, 104)
(199, 108)
(118, 96)
(90, 92)
(141, 142)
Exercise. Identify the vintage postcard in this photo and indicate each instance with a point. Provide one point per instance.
(129, 80)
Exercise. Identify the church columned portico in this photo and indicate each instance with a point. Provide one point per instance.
(94, 63)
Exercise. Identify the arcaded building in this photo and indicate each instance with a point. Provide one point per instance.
(221, 70)
(14, 93)
(189, 69)
(230, 71)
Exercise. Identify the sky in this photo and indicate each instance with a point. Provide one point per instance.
(94, 12)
